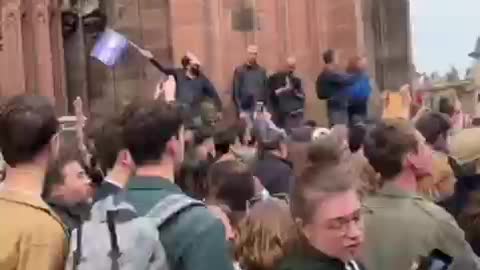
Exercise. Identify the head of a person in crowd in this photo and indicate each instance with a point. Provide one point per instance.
(330, 57)
(398, 152)
(192, 178)
(203, 144)
(224, 139)
(445, 106)
(357, 64)
(154, 135)
(325, 150)
(434, 127)
(252, 54)
(185, 61)
(194, 65)
(356, 135)
(111, 152)
(67, 182)
(231, 183)
(264, 235)
(328, 213)
(29, 136)
(291, 65)
(274, 143)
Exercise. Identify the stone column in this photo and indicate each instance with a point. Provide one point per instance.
(12, 65)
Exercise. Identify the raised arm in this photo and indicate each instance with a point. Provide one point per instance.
(211, 92)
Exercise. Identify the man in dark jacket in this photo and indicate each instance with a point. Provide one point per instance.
(331, 86)
(272, 168)
(68, 188)
(249, 84)
(287, 96)
(193, 86)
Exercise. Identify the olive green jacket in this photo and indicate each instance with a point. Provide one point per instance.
(402, 226)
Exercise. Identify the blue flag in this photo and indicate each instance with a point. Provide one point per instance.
(110, 47)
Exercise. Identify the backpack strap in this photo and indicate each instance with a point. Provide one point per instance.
(77, 254)
(115, 253)
(170, 206)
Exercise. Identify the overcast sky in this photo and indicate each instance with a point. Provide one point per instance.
(444, 33)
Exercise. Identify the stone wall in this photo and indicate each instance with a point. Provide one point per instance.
(302, 28)
(213, 30)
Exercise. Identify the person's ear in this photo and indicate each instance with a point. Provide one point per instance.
(126, 159)
(305, 229)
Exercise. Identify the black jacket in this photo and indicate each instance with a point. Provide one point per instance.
(289, 101)
(249, 86)
(332, 85)
(191, 92)
(310, 259)
(275, 173)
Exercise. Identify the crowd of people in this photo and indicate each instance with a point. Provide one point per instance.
(153, 188)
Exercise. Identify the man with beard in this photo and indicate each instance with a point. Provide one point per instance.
(193, 87)
(287, 96)
(68, 188)
(249, 84)
(33, 236)
(402, 224)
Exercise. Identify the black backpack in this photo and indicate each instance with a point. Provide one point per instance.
(322, 92)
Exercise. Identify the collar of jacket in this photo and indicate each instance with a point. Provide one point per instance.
(390, 189)
(152, 182)
(308, 255)
(31, 201)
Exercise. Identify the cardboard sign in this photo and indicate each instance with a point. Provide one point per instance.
(397, 105)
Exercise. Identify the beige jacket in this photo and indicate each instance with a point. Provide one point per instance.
(32, 236)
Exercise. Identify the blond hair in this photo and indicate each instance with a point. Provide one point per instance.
(264, 235)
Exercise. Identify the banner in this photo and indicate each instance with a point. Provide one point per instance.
(110, 47)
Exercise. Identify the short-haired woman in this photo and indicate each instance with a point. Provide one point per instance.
(328, 215)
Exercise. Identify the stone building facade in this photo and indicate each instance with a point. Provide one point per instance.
(217, 31)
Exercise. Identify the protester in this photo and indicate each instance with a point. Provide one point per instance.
(329, 219)
(370, 180)
(115, 161)
(331, 85)
(398, 153)
(287, 96)
(33, 236)
(154, 136)
(272, 167)
(249, 84)
(68, 188)
(232, 184)
(468, 220)
(435, 128)
(193, 86)
(360, 91)
(264, 235)
(203, 145)
(235, 143)
(192, 178)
